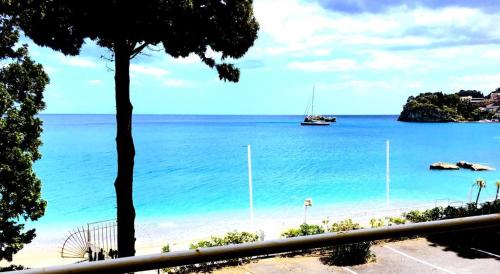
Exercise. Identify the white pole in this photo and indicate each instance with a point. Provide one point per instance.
(387, 176)
(250, 183)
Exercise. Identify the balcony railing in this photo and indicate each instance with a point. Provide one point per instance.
(202, 255)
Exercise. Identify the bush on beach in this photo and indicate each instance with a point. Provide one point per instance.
(461, 240)
(343, 254)
(374, 223)
(347, 254)
(303, 230)
(357, 253)
(449, 212)
(229, 238)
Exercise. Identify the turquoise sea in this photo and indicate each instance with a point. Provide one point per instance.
(197, 165)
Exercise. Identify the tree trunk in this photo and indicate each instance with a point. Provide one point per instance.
(496, 196)
(478, 193)
(125, 150)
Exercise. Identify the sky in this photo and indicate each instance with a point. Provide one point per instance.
(360, 56)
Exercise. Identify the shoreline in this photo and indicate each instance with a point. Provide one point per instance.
(153, 233)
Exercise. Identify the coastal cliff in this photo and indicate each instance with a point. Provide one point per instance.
(462, 106)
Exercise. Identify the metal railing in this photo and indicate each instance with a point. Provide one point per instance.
(97, 235)
(202, 255)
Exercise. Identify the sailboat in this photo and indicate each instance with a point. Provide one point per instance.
(317, 120)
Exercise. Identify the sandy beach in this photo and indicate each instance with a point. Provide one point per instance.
(152, 235)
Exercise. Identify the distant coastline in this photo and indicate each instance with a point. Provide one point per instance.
(463, 106)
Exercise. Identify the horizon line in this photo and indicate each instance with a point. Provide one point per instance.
(224, 114)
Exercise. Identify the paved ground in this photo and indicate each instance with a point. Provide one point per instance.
(412, 256)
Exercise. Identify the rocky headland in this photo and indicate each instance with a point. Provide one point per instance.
(463, 106)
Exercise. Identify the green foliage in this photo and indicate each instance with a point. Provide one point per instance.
(416, 216)
(230, 238)
(473, 93)
(439, 213)
(303, 230)
(344, 254)
(461, 241)
(374, 223)
(396, 221)
(486, 208)
(126, 28)
(344, 225)
(234, 237)
(179, 27)
(22, 82)
(165, 248)
(439, 107)
(347, 254)
(326, 222)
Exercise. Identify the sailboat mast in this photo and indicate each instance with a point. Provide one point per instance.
(312, 110)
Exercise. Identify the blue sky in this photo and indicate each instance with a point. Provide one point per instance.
(362, 58)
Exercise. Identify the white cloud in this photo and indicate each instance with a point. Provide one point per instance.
(95, 82)
(148, 70)
(327, 65)
(176, 83)
(483, 82)
(78, 61)
(377, 60)
(294, 26)
(415, 85)
(493, 53)
(458, 16)
(386, 60)
(451, 53)
(356, 85)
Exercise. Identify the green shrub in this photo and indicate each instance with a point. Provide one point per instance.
(303, 230)
(374, 223)
(439, 213)
(434, 214)
(344, 226)
(347, 254)
(326, 223)
(490, 207)
(165, 248)
(229, 238)
(452, 212)
(396, 221)
(416, 216)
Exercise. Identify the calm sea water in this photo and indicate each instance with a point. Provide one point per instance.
(195, 165)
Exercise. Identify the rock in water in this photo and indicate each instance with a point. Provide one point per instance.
(473, 166)
(443, 166)
(478, 167)
(464, 164)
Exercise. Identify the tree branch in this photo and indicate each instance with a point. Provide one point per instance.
(138, 50)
